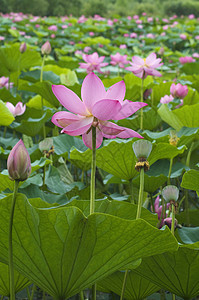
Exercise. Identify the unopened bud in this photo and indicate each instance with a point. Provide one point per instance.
(23, 47)
(46, 48)
(19, 164)
(168, 222)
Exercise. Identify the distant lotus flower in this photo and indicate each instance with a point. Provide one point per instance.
(17, 110)
(150, 36)
(183, 36)
(144, 67)
(2, 38)
(186, 59)
(196, 55)
(98, 106)
(19, 164)
(87, 49)
(93, 62)
(46, 48)
(4, 82)
(178, 90)
(23, 47)
(133, 35)
(123, 46)
(166, 99)
(118, 59)
(52, 28)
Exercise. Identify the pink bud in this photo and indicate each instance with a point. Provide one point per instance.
(46, 48)
(23, 47)
(19, 164)
(178, 90)
(168, 222)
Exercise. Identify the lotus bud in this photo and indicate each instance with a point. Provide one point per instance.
(23, 47)
(178, 90)
(168, 222)
(19, 164)
(46, 48)
(170, 193)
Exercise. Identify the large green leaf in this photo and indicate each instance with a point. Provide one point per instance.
(63, 252)
(9, 59)
(81, 159)
(190, 180)
(193, 216)
(169, 117)
(20, 281)
(118, 158)
(151, 183)
(44, 89)
(176, 272)
(6, 118)
(116, 208)
(136, 287)
(32, 126)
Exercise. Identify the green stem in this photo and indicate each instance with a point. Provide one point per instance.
(10, 249)
(170, 170)
(189, 154)
(173, 220)
(140, 200)
(44, 295)
(42, 101)
(33, 291)
(93, 169)
(131, 191)
(124, 285)
(141, 192)
(186, 191)
(19, 63)
(81, 295)
(162, 294)
(94, 292)
(4, 132)
(173, 296)
(92, 188)
(82, 177)
(141, 110)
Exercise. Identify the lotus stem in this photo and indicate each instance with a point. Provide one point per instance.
(170, 170)
(141, 192)
(173, 220)
(93, 170)
(141, 110)
(92, 188)
(10, 249)
(42, 102)
(140, 200)
(124, 285)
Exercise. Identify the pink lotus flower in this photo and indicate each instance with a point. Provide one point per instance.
(186, 59)
(168, 222)
(17, 110)
(4, 82)
(118, 59)
(183, 36)
(166, 99)
(143, 67)
(178, 90)
(158, 210)
(19, 164)
(96, 108)
(52, 28)
(93, 62)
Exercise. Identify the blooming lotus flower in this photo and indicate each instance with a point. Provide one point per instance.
(143, 67)
(166, 99)
(158, 210)
(168, 222)
(118, 59)
(178, 90)
(52, 28)
(19, 164)
(186, 59)
(17, 110)
(93, 62)
(96, 108)
(4, 82)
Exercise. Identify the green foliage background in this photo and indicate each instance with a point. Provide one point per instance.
(102, 7)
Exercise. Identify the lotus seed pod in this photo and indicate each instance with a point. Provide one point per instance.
(170, 192)
(142, 149)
